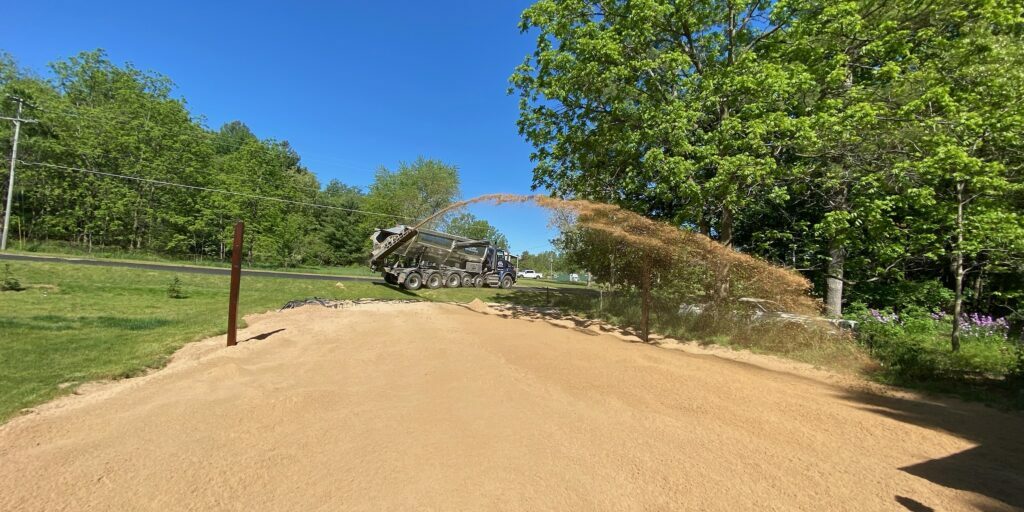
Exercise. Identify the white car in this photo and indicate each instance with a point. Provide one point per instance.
(530, 274)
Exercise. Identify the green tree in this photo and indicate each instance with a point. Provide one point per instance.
(965, 118)
(468, 225)
(546, 262)
(96, 115)
(661, 107)
(821, 135)
(341, 232)
(412, 192)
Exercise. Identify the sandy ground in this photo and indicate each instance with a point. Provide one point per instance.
(429, 406)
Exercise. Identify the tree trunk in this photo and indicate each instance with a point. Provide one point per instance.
(958, 268)
(958, 287)
(976, 300)
(725, 227)
(645, 299)
(834, 280)
(703, 226)
(611, 268)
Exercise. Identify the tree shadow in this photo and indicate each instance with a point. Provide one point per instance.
(557, 307)
(994, 468)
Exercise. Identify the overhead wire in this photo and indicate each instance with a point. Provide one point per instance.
(258, 147)
(110, 116)
(207, 189)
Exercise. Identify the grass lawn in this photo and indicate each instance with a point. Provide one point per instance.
(76, 323)
(63, 250)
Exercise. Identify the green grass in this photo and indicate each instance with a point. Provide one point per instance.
(916, 354)
(64, 249)
(75, 323)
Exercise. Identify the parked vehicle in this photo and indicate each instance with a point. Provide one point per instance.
(415, 257)
(530, 274)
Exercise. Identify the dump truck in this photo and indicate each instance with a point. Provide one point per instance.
(413, 257)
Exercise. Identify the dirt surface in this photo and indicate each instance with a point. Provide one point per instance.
(447, 407)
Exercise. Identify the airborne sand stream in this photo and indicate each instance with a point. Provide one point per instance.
(431, 406)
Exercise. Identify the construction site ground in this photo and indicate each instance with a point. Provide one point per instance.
(401, 406)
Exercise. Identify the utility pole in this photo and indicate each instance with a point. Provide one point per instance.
(10, 179)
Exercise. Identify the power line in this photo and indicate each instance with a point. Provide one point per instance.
(260, 146)
(111, 116)
(49, 144)
(208, 189)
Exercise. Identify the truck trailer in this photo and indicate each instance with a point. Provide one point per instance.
(414, 257)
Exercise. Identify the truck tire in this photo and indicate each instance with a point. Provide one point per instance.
(434, 281)
(478, 281)
(506, 282)
(453, 281)
(413, 281)
(390, 278)
(467, 281)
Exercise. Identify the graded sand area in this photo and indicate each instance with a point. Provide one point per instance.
(442, 407)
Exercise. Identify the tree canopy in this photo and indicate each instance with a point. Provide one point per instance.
(468, 225)
(874, 146)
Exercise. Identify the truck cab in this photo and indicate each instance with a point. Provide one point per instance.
(501, 264)
(506, 265)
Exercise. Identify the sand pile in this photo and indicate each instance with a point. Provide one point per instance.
(431, 406)
(481, 307)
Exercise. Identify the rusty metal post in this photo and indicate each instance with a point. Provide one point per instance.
(236, 276)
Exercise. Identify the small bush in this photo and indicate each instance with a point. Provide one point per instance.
(915, 345)
(174, 290)
(10, 283)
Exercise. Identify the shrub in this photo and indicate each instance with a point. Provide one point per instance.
(914, 345)
(174, 290)
(930, 294)
(10, 283)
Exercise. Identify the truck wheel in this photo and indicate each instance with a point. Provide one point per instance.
(434, 281)
(453, 281)
(413, 281)
(506, 282)
(467, 281)
(478, 281)
(390, 278)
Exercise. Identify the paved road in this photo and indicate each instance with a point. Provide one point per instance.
(170, 267)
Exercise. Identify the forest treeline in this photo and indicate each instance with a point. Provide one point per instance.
(94, 115)
(875, 146)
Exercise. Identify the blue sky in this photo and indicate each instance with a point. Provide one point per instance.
(351, 86)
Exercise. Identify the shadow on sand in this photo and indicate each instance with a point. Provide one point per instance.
(994, 468)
